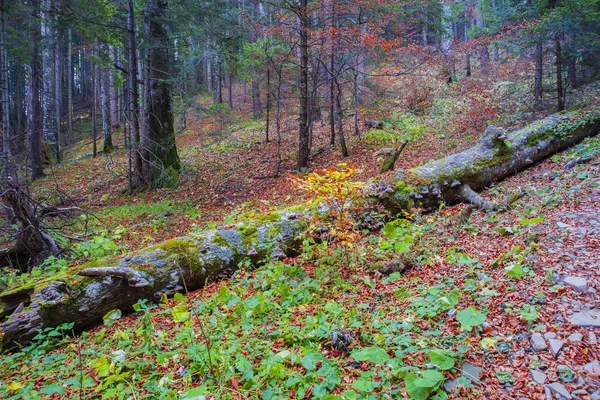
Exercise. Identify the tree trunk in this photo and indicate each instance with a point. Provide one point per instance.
(35, 109)
(85, 294)
(303, 126)
(539, 71)
(48, 80)
(268, 117)
(161, 161)
(340, 119)
(114, 93)
(69, 86)
(560, 104)
(105, 92)
(8, 166)
(133, 105)
(57, 89)
(572, 72)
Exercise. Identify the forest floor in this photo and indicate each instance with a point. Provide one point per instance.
(486, 311)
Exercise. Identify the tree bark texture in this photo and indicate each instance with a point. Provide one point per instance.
(84, 295)
(159, 151)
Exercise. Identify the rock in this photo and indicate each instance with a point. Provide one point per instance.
(592, 366)
(550, 335)
(537, 342)
(449, 385)
(555, 346)
(562, 225)
(578, 283)
(590, 318)
(575, 338)
(548, 393)
(538, 376)
(595, 396)
(472, 372)
(592, 338)
(592, 291)
(559, 389)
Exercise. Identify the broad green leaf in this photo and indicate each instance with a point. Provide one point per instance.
(179, 297)
(111, 317)
(180, 313)
(441, 359)
(430, 379)
(514, 270)
(376, 355)
(532, 221)
(350, 395)
(416, 392)
(52, 389)
(197, 393)
(470, 317)
(363, 385)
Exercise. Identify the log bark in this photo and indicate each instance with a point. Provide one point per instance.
(497, 155)
(85, 295)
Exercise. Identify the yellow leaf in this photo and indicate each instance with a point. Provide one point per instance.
(15, 386)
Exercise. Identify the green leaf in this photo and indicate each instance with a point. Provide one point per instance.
(179, 297)
(514, 270)
(180, 313)
(416, 392)
(376, 355)
(441, 359)
(363, 385)
(532, 221)
(390, 231)
(350, 395)
(111, 317)
(102, 366)
(430, 379)
(197, 393)
(52, 389)
(310, 361)
(402, 247)
(470, 317)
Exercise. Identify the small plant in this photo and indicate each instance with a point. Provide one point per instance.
(335, 189)
(470, 317)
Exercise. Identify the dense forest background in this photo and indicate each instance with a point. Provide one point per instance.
(312, 151)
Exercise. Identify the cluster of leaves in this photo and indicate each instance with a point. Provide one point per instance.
(334, 189)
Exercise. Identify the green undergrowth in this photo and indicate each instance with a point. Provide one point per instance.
(328, 325)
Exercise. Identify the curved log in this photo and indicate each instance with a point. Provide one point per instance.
(85, 295)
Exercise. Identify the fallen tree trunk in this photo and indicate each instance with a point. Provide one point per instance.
(84, 296)
(499, 154)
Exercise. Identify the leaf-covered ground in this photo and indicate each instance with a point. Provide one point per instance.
(316, 326)
(329, 324)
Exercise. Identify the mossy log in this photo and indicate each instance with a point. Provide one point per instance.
(85, 295)
(497, 155)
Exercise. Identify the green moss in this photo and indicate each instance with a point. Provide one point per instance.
(219, 240)
(249, 234)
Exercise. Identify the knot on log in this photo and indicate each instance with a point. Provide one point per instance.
(133, 278)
